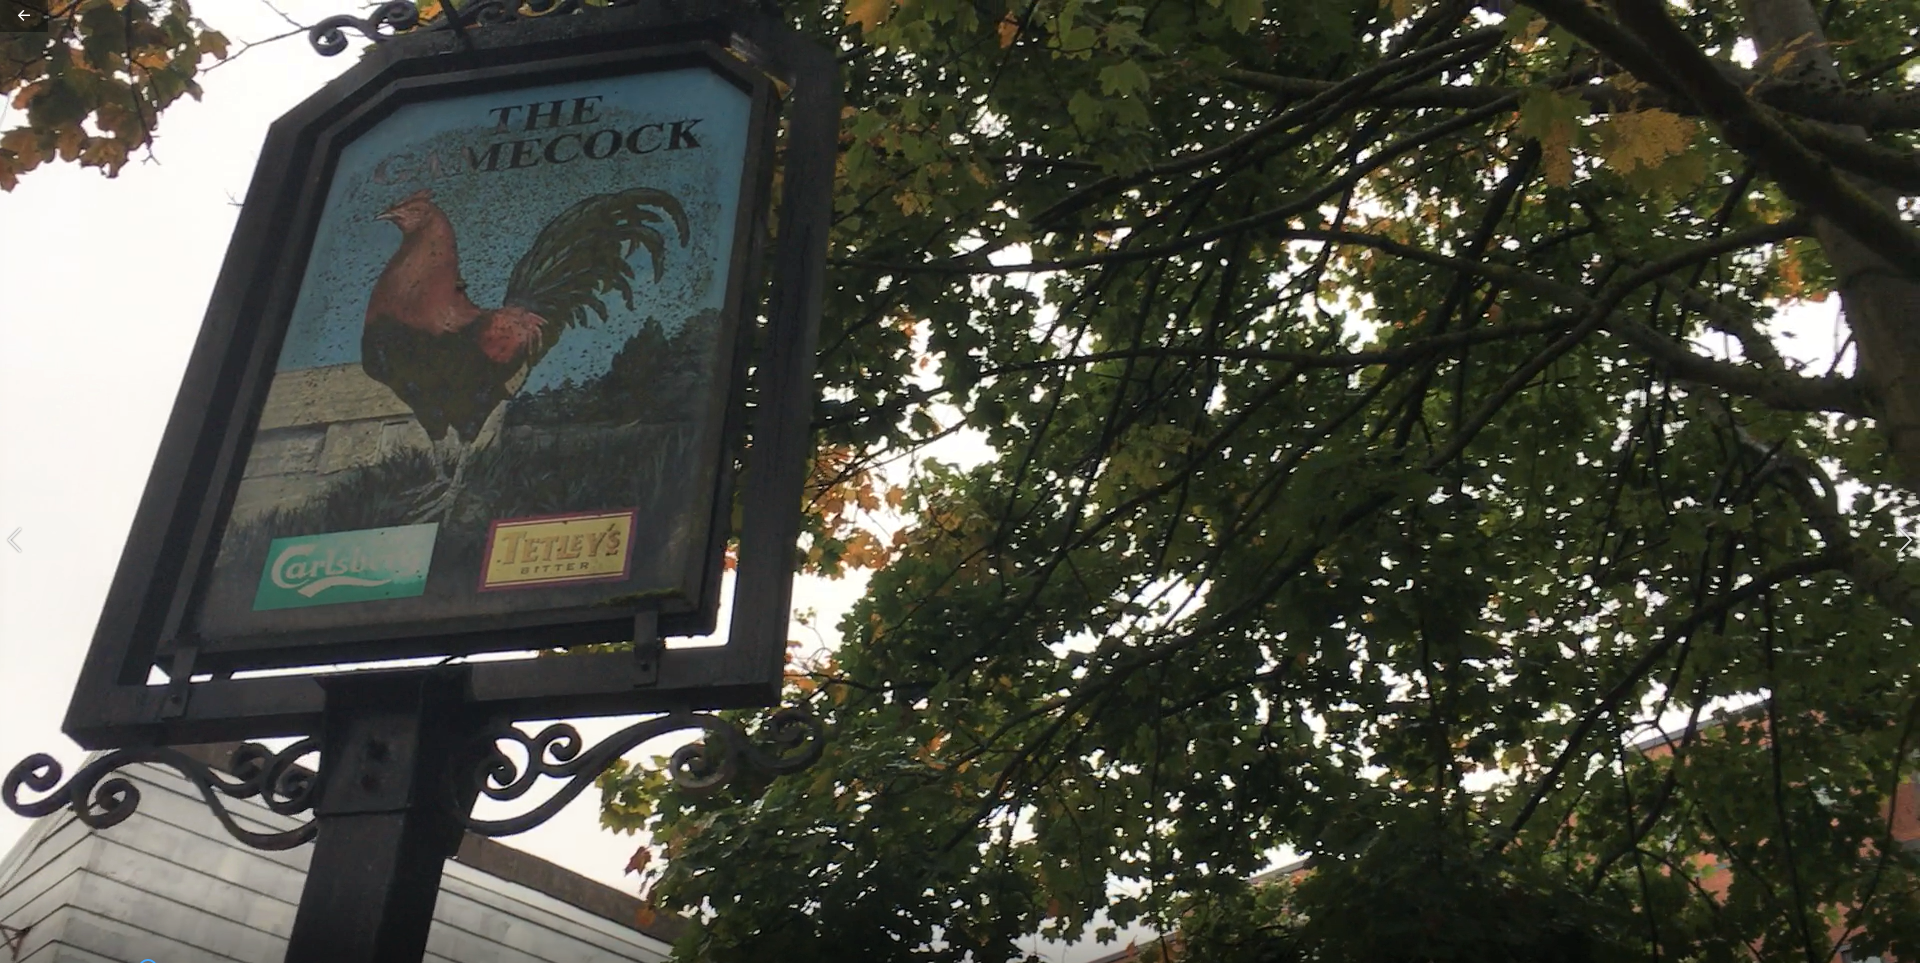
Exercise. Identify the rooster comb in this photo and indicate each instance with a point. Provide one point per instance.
(423, 194)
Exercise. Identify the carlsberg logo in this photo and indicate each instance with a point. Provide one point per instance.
(363, 566)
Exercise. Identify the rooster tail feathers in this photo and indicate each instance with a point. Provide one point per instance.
(582, 255)
(648, 201)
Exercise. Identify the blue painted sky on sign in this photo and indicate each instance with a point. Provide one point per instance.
(497, 214)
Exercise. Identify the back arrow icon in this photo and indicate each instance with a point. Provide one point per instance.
(22, 15)
(13, 544)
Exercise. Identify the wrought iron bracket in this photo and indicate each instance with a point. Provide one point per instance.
(396, 17)
(100, 801)
(13, 938)
(383, 24)
(793, 740)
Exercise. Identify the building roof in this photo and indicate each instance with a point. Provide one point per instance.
(516, 866)
(169, 884)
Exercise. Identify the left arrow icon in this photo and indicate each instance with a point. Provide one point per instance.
(13, 544)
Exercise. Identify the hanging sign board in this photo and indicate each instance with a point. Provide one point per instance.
(475, 375)
(503, 387)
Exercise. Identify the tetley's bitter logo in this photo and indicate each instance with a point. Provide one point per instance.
(363, 566)
(555, 549)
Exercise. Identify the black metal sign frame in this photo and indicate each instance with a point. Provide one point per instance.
(467, 634)
(261, 342)
(197, 467)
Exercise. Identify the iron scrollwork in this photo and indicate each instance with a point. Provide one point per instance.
(794, 740)
(388, 19)
(399, 16)
(100, 801)
(791, 741)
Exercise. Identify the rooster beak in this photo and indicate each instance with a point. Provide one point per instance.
(387, 215)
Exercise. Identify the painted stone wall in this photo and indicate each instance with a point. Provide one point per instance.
(322, 421)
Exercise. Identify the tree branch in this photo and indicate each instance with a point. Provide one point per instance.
(1777, 389)
(1798, 568)
(1801, 101)
(1802, 174)
(1575, 17)
(1898, 169)
(1306, 359)
(1866, 567)
(1334, 96)
(1757, 346)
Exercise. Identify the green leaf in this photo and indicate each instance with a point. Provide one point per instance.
(1123, 79)
(1244, 13)
(1084, 108)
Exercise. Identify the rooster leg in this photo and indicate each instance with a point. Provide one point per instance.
(439, 506)
(442, 451)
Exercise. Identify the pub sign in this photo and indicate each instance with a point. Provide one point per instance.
(474, 378)
(503, 385)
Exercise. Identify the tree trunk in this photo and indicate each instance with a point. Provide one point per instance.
(1881, 305)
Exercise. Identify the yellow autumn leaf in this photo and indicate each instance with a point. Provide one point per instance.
(1556, 156)
(869, 13)
(1782, 60)
(1643, 139)
(215, 43)
(24, 97)
(24, 145)
(69, 142)
(933, 745)
(1552, 118)
(1009, 30)
(1792, 282)
(105, 152)
(864, 551)
(1530, 26)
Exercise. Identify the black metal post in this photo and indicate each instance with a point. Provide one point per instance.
(386, 815)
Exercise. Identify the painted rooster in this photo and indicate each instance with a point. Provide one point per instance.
(454, 362)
